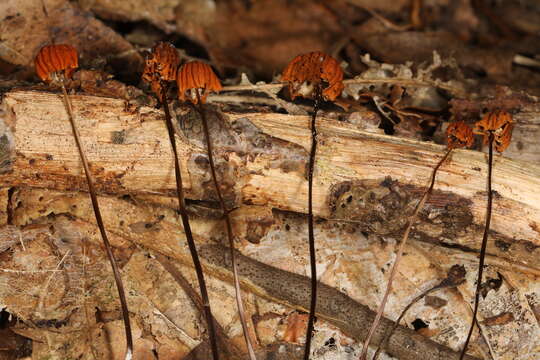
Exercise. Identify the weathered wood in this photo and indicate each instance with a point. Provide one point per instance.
(266, 155)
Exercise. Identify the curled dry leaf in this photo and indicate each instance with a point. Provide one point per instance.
(195, 78)
(161, 65)
(56, 61)
(306, 71)
(498, 122)
(459, 135)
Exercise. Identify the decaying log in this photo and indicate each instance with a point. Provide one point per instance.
(262, 160)
(265, 159)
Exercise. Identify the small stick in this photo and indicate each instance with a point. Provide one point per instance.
(399, 254)
(230, 236)
(272, 87)
(484, 245)
(99, 220)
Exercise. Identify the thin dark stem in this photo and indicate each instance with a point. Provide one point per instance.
(99, 220)
(188, 232)
(311, 235)
(239, 302)
(453, 279)
(396, 324)
(482, 249)
(393, 271)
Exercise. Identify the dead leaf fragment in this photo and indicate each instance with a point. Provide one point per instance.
(501, 319)
(296, 327)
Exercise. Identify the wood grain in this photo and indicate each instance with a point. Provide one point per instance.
(129, 154)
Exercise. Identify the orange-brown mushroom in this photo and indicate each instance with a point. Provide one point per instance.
(161, 65)
(307, 71)
(195, 81)
(498, 122)
(496, 127)
(459, 135)
(55, 61)
(319, 76)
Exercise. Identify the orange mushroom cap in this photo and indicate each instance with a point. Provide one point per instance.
(54, 60)
(161, 65)
(500, 124)
(196, 76)
(312, 69)
(459, 135)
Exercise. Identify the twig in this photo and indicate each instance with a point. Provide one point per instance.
(99, 220)
(239, 302)
(406, 82)
(398, 81)
(22, 242)
(187, 229)
(399, 254)
(387, 23)
(525, 61)
(484, 246)
(28, 271)
(291, 289)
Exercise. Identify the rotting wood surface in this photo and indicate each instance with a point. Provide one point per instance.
(265, 168)
(125, 145)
